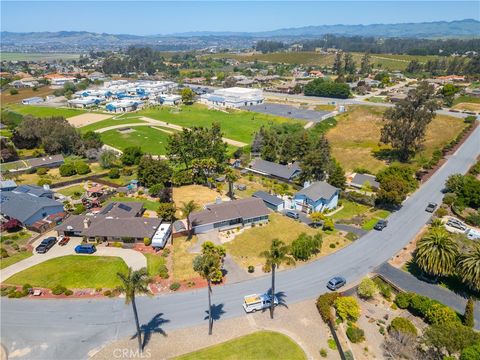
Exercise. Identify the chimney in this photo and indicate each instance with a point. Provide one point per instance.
(86, 223)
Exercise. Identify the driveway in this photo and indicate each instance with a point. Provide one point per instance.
(408, 282)
(132, 258)
(24, 323)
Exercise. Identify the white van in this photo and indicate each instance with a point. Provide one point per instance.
(256, 302)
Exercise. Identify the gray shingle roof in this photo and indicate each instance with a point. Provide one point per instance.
(236, 209)
(38, 191)
(22, 206)
(360, 179)
(318, 190)
(271, 199)
(45, 160)
(270, 168)
(122, 209)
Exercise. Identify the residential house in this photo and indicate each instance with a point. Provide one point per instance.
(48, 161)
(316, 197)
(32, 100)
(279, 171)
(229, 215)
(7, 185)
(359, 180)
(271, 201)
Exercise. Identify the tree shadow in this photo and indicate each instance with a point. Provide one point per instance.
(281, 296)
(153, 326)
(388, 155)
(217, 312)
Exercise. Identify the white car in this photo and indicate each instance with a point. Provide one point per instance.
(256, 302)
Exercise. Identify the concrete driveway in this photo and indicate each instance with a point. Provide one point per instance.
(132, 258)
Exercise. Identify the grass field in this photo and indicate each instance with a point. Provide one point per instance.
(6, 56)
(12, 259)
(44, 111)
(355, 139)
(247, 246)
(151, 140)
(153, 263)
(466, 99)
(310, 58)
(71, 190)
(73, 271)
(262, 345)
(349, 210)
(182, 259)
(7, 98)
(110, 122)
(236, 125)
(200, 194)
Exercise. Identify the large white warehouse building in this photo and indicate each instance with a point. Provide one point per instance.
(233, 97)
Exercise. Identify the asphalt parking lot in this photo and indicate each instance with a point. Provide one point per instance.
(287, 111)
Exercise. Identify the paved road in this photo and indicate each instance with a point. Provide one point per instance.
(353, 229)
(408, 282)
(57, 329)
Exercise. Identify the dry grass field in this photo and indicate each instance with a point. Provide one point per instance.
(355, 139)
(467, 106)
(182, 259)
(200, 194)
(6, 98)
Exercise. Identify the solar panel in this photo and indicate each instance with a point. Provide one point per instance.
(125, 207)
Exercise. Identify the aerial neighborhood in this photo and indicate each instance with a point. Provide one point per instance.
(318, 183)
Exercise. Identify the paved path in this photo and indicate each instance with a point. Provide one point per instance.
(408, 282)
(54, 329)
(353, 229)
(234, 272)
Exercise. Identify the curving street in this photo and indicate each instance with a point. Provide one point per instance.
(70, 329)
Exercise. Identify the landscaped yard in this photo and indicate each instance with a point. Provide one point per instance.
(355, 139)
(12, 259)
(265, 345)
(247, 246)
(154, 262)
(182, 259)
(73, 190)
(44, 111)
(148, 204)
(236, 125)
(74, 272)
(367, 217)
(151, 140)
(349, 210)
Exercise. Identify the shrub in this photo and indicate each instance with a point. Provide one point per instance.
(42, 171)
(403, 300)
(349, 355)
(440, 314)
(367, 288)
(449, 199)
(305, 246)
(384, 288)
(99, 289)
(441, 212)
(114, 173)
(328, 225)
(82, 168)
(58, 290)
(79, 209)
(27, 287)
(68, 292)
(420, 304)
(324, 305)
(3, 253)
(347, 308)
(266, 268)
(332, 344)
(13, 91)
(323, 352)
(351, 236)
(67, 169)
(43, 181)
(471, 352)
(147, 241)
(107, 293)
(332, 246)
(251, 269)
(175, 286)
(166, 252)
(403, 326)
(468, 316)
(163, 271)
(355, 334)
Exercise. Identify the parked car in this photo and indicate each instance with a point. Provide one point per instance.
(316, 224)
(431, 207)
(63, 240)
(380, 225)
(457, 224)
(46, 245)
(85, 249)
(254, 302)
(336, 283)
(292, 214)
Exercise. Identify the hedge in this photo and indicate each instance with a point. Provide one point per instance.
(324, 306)
(402, 325)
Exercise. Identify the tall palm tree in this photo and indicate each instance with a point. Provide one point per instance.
(208, 266)
(133, 283)
(187, 209)
(231, 177)
(436, 253)
(278, 254)
(468, 268)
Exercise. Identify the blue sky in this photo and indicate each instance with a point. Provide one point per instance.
(159, 17)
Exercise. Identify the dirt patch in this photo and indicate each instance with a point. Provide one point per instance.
(87, 119)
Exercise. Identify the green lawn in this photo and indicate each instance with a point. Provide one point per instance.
(466, 99)
(151, 140)
(73, 271)
(265, 345)
(350, 209)
(153, 263)
(236, 125)
(12, 259)
(71, 190)
(373, 217)
(6, 56)
(110, 122)
(148, 204)
(44, 111)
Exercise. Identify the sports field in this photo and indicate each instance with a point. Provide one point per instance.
(37, 56)
(151, 140)
(236, 125)
(44, 111)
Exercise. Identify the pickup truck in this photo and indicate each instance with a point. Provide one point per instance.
(256, 302)
(63, 240)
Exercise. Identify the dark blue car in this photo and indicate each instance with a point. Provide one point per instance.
(85, 249)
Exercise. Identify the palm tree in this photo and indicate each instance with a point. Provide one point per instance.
(468, 268)
(231, 177)
(187, 209)
(208, 266)
(436, 253)
(277, 255)
(133, 283)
